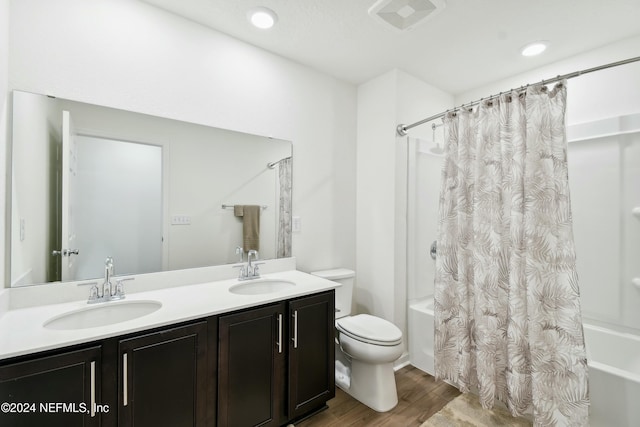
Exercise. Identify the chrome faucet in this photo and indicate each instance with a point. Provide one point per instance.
(251, 269)
(107, 286)
(107, 291)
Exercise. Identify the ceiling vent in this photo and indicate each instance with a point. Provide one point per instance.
(404, 15)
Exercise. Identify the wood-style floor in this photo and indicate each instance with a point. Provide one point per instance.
(419, 397)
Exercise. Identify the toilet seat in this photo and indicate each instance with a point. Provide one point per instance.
(370, 329)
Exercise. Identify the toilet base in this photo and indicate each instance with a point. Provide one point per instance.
(374, 385)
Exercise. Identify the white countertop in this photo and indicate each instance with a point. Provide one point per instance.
(22, 331)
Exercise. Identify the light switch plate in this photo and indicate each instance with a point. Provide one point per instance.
(181, 220)
(296, 224)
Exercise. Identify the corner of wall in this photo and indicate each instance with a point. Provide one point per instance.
(4, 129)
(375, 176)
(381, 230)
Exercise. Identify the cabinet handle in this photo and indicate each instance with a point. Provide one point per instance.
(279, 333)
(295, 329)
(125, 387)
(93, 389)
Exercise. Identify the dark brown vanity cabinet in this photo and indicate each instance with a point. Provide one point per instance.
(268, 366)
(54, 390)
(311, 353)
(158, 378)
(163, 378)
(251, 367)
(276, 363)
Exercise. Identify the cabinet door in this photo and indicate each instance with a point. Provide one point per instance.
(59, 390)
(251, 367)
(163, 377)
(311, 353)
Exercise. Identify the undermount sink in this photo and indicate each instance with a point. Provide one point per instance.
(258, 287)
(101, 315)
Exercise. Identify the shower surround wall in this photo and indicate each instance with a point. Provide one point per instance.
(604, 172)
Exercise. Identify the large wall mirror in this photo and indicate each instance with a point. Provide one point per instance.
(155, 194)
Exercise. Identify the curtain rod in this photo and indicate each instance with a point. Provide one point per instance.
(402, 129)
(273, 164)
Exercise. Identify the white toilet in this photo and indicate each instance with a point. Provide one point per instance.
(366, 347)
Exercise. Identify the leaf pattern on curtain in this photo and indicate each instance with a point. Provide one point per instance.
(507, 309)
(283, 249)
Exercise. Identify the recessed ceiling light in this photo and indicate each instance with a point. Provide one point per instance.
(535, 48)
(262, 17)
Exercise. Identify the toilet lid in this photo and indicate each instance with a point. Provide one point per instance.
(372, 329)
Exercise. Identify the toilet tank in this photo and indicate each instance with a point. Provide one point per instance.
(344, 293)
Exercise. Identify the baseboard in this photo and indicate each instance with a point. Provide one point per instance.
(401, 362)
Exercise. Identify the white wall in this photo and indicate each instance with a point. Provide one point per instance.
(375, 224)
(130, 55)
(607, 93)
(4, 131)
(604, 173)
(383, 103)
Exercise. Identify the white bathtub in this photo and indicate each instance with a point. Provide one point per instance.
(421, 335)
(613, 357)
(614, 377)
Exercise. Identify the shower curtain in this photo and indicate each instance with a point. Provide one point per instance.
(507, 310)
(284, 209)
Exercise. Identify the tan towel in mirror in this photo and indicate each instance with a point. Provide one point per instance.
(250, 225)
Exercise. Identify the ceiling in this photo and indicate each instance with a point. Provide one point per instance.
(468, 44)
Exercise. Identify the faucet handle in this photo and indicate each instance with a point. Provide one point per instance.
(93, 291)
(93, 294)
(256, 268)
(119, 293)
(243, 270)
